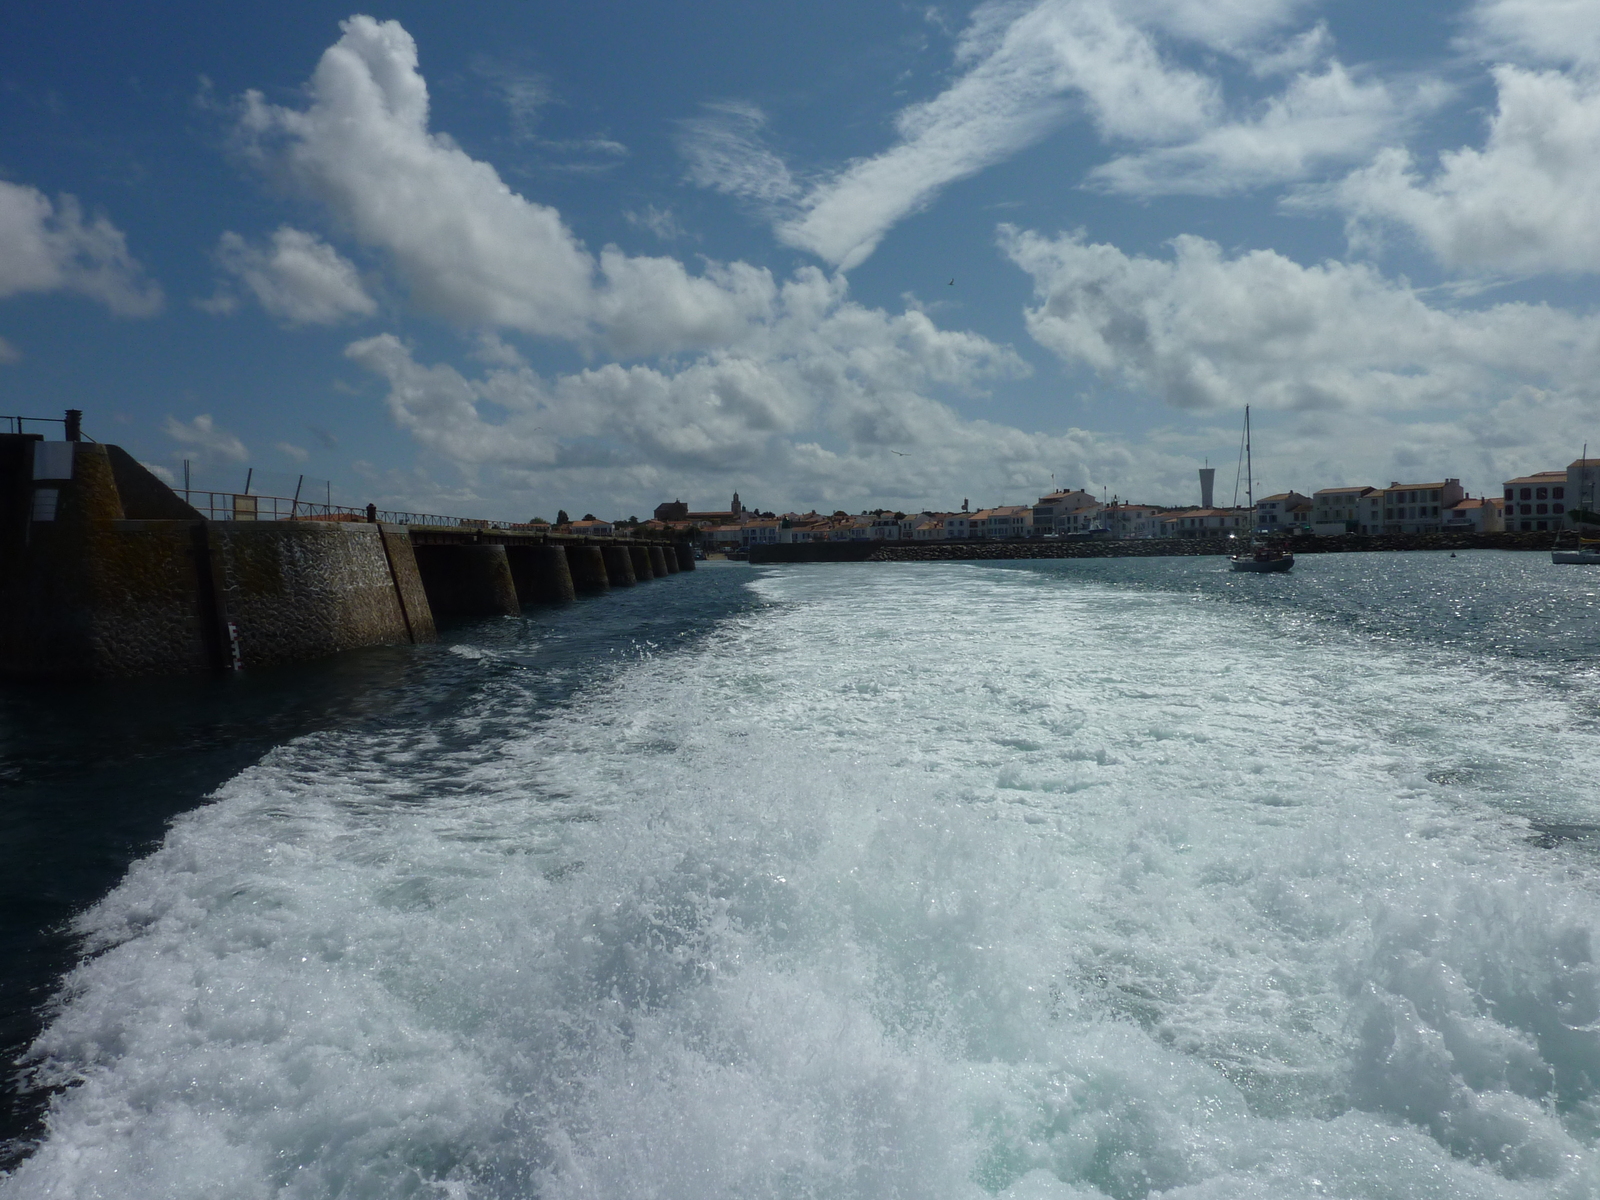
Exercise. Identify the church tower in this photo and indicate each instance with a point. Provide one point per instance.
(736, 507)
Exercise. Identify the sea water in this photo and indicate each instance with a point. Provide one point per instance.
(1068, 879)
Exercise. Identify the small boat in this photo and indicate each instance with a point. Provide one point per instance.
(1262, 556)
(1587, 553)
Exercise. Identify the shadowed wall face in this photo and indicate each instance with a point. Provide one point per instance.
(468, 581)
(116, 576)
(619, 566)
(661, 564)
(642, 569)
(588, 567)
(541, 574)
(684, 554)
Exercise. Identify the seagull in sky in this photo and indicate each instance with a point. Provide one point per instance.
(952, 283)
(901, 453)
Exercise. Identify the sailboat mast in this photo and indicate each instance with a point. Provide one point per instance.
(1249, 472)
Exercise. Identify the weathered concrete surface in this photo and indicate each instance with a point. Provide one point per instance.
(408, 583)
(658, 563)
(642, 570)
(468, 580)
(619, 566)
(685, 554)
(587, 565)
(540, 574)
(297, 590)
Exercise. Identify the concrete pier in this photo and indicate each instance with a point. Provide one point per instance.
(659, 565)
(468, 580)
(642, 570)
(619, 566)
(685, 555)
(541, 575)
(587, 566)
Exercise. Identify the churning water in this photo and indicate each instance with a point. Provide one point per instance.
(1074, 879)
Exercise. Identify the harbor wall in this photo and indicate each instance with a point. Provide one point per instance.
(106, 572)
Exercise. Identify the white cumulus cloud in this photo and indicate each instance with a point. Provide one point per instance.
(297, 277)
(1528, 202)
(831, 404)
(1204, 331)
(469, 248)
(1535, 32)
(47, 247)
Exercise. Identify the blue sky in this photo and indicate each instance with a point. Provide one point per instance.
(502, 259)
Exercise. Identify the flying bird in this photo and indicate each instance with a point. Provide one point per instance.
(901, 453)
(952, 283)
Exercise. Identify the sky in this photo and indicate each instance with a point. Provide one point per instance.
(498, 259)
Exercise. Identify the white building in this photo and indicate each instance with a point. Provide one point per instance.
(1207, 522)
(759, 533)
(957, 526)
(1338, 510)
(1133, 520)
(1475, 515)
(1420, 507)
(1064, 513)
(1537, 502)
(1008, 521)
(1277, 513)
(721, 537)
(1583, 485)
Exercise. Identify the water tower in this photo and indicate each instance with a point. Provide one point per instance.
(1208, 476)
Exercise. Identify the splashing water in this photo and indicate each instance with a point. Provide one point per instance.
(939, 881)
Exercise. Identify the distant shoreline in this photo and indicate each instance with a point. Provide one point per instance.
(947, 551)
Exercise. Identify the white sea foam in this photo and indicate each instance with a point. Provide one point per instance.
(949, 882)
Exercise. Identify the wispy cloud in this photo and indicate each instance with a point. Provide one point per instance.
(1025, 70)
(1318, 120)
(726, 151)
(206, 438)
(659, 221)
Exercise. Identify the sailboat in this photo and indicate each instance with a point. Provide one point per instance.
(1262, 556)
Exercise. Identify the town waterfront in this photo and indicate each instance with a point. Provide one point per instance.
(1065, 878)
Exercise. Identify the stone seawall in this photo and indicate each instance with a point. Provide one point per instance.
(296, 590)
(1142, 548)
(113, 575)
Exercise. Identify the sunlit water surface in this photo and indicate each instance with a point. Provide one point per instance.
(1073, 879)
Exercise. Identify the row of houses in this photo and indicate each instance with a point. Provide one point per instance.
(1540, 502)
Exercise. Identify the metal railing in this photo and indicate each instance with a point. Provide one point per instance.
(243, 506)
(72, 425)
(218, 505)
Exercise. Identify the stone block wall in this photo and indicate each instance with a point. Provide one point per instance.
(89, 593)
